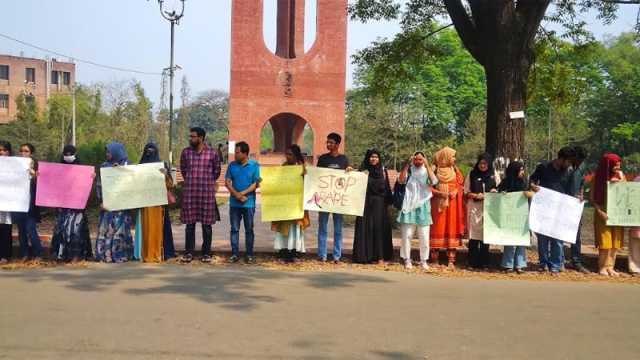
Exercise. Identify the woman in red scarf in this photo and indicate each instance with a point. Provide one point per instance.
(608, 238)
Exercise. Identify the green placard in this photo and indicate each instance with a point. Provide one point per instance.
(623, 204)
(506, 219)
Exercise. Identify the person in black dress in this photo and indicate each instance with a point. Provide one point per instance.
(372, 242)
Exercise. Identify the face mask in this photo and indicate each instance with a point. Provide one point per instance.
(69, 158)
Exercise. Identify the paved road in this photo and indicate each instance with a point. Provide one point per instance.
(136, 311)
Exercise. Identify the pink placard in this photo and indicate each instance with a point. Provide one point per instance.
(63, 186)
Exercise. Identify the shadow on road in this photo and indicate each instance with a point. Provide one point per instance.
(234, 288)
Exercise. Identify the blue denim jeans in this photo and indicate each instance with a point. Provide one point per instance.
(550, 253)
(28, 235)
(323, 221)
(236, 214)
(514, 256)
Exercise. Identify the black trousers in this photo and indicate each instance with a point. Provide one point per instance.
(478, 254)
(5, 241)
(190, 239)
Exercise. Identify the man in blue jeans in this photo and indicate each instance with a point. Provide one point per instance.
(331, 160)
(242, 179)
(552, 175)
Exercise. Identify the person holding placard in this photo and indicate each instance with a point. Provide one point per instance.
(332, 160)
(482, 179)
(6, 247)
(372, 241)
(515, 181)
(448, 203)
(289, 234)
(71, 241)
(242, 180)
(153, 228)
(415, 212)
(634, 247)
(609, 239)
(114, 242)
(576, 188)
(200, 169)
(552, 175)
(28, 222)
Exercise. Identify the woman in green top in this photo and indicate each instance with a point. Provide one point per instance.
(416, 207)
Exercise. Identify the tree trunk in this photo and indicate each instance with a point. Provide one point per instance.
(506, 93)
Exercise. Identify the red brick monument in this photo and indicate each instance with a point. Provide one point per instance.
(290, 88)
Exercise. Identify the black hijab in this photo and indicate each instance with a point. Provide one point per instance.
(374, 171)
(70, 149)
(511, 182)
(150, 156)
(479, 178)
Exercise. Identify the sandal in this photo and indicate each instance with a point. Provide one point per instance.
(186, 258)
(206, 259)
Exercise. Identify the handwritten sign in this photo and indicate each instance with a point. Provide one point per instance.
(133, 186)
(63, 185)
(281, 190)
(506, 219)
(623, 204)
(335, 191)
(15, 184)
(555, 215)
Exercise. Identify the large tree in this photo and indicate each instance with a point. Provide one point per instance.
(500, 35)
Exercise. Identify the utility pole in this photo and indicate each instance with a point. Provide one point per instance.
(173, 17)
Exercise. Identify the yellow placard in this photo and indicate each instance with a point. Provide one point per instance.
(281, 189)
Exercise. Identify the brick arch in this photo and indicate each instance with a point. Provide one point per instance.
(263, 85)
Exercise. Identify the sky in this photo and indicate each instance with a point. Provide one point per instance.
(132, 34)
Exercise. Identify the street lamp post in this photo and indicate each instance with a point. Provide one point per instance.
(173, 17)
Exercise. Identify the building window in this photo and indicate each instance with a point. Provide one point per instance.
(4, 101)
(30, 75)
(4, 72)
(54, 77)
(66, 78)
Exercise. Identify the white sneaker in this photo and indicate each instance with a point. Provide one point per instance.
(407, 264)
(424, 265)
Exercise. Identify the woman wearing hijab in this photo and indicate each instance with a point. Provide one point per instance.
(418, 176)
(154, 238)
(372, 242)
(608, 238)
(482, 179)
(448, 204)
(71, 241)
(114, 242)
(5, 218)
(289, 234)
(515, 181)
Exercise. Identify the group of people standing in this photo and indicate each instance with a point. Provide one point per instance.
(444, 207)
(436, 201)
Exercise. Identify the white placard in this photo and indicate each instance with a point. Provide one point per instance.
(15, 184)
(335, 191)
(232, 147)
(555, 215)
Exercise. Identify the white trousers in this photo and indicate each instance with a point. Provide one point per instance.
(407, 236)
